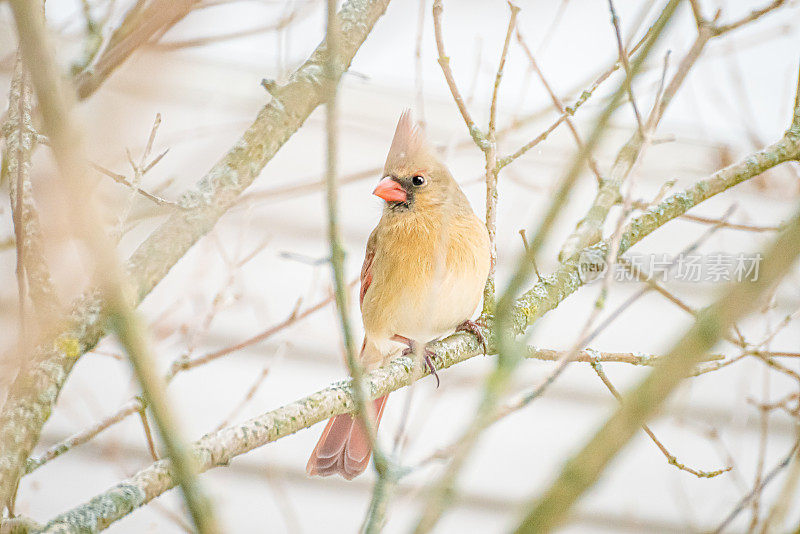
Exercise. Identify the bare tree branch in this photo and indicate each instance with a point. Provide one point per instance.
(299, 11)
(752, 16)
(492, 169)
(120, 179)
(757, 490)
(623, 57)
(33, 276)
(141, 23)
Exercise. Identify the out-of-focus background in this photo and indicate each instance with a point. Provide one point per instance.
(268, 253)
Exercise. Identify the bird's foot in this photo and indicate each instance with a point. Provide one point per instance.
(429, 357)
(474, 327)
(427, 354)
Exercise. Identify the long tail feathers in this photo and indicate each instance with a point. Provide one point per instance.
(344, 447)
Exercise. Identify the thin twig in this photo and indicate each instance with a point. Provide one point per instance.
(697, 13)
(418, 79)
(752, 16)
(120, 179)
(490, 154)
(525, 247)
(148, 435)
(291, 17)
(551, 29)
(623, 57)
(512, 21)
(742, 504)
(732, 226)
(671, 459)
(248, 396)
(294, 317)
(783, 504)
(131, 407)
(570, 110)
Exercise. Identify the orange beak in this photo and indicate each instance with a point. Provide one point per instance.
(390, 191)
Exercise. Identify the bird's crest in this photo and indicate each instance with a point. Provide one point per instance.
(409, 147)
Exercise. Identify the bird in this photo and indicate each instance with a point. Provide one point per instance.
(425, 267)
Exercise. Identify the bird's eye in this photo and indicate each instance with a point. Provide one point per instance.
(418, 180)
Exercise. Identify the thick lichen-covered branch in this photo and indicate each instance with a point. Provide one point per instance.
(787, 149)
(34, 392)
(20, 140)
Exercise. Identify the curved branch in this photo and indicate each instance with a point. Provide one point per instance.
(141, 23)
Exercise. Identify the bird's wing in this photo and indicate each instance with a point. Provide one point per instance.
(366, 268)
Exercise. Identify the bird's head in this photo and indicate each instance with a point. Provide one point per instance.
(413, 177)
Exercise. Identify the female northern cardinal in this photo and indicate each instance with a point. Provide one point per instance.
(424, 270)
